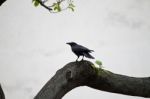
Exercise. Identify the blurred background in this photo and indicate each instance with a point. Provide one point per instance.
(32, 43)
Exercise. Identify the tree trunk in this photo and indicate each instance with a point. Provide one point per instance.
(84, 73)
(2, 96)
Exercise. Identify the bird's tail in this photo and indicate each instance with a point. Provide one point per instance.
(88, 55)
(91, 51)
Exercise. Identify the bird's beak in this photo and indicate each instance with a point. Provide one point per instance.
(68, 43)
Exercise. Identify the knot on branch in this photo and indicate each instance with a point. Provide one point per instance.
(69, 75)
(72, 75)
(79, 72)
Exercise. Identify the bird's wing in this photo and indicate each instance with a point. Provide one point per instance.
(82, 48)
(88, 55)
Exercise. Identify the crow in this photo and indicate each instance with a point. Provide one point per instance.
(80, 50)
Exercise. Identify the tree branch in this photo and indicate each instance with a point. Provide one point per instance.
(84, 73)
(2, 1)
(46, 7)
(2, 96)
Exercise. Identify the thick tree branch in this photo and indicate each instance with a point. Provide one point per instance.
(84, 73)
(2, 96)
(2, 1)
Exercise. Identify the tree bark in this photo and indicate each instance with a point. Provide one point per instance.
(84, 73)
(2, 96)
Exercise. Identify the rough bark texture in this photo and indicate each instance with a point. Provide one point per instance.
(84, 73)
(2, 96)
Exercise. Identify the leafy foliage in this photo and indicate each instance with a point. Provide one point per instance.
(36, 2)
(55, 7)
(71, 6)
(99, 63)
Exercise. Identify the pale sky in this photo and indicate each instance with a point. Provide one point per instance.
(32, 43)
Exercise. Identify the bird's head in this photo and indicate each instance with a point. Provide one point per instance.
(71, 43)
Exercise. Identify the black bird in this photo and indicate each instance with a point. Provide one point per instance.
(80, 50)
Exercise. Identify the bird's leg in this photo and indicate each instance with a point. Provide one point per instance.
(82, 58)
(77, 58)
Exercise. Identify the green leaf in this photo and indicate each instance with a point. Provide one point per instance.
(71, 5)
(71, 8)
(98, 62)
(57, 7)
(36, 2)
